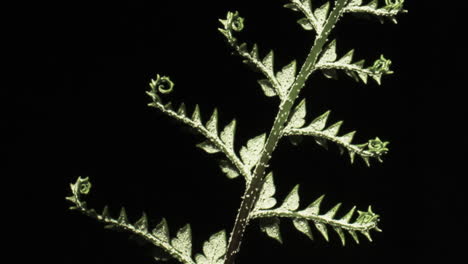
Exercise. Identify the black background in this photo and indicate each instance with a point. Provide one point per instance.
(88, 117)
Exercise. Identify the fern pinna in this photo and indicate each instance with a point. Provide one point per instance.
(251, 161)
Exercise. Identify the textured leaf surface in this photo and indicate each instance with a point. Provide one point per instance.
(266, 199)
(270, 226)
(183, 240)
(291, 202)
(268, 61)
(297, 120)
(329, 54)
(250, 153)
(161, 231)
(321, 13)
(270, 218)
(213, 250)
(229, 169)
(227, 135)
(286, 77)
(267, 87)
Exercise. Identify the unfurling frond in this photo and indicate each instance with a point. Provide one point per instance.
(178, 247)
(215, 142)
(329, 65)
(272, 85)
(389, 10)
(270, 218)
(374, 148)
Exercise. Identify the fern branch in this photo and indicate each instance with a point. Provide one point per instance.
(390, 10)
(179, 248)
(272, 85)
(365, 222)
(328, 63)
(214, 142)
(374, 148)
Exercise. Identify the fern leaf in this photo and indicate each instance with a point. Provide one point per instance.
(161, 231)
(229, 169)
(212, 124)
(374, 148)
(291, 202)
(268, 62)
(347, 58)
(183, 240)
(250, 152)
(332, 130)
(196, 117)
(302, 225)
(254, 53)
(321, 14)
(320, 122)
(305, 23)
(310, 21)
(142, 224)
(182, 111)
(271, 85)
(341, 234)
(267, 87)
(214, 143)
(355, 3)
(227, 135)
(122, 217)
(208, 147)
(322, 228)
(270, 226)
(373, 4)
(213, 250)
(286, 77)
(329, 53)
(270, 218)
(266, 199)
(297, 118)
(314, 207)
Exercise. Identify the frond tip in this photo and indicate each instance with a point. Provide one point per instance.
(270, 218)
(233, 22)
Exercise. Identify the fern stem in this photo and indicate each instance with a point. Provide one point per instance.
(253, 191)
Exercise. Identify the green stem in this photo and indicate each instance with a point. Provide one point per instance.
(253, 191)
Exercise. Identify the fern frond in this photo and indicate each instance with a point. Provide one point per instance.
(272, 85)
(329, 64)
(214, 143)
(178, 247)
(270, 218)
(389, 10)
(374, 148)
(313, 19)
